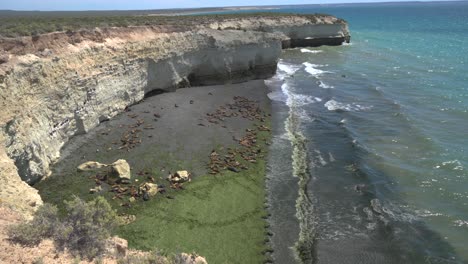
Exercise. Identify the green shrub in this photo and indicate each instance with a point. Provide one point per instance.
(86, 228)
(42, 226)
(83, 231)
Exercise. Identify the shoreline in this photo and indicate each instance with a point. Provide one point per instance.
(100, 109)
(214, 213)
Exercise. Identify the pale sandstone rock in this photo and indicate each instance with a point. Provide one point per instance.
(117, 246)
(193, 259)
(120, 170)
(150, 188)
(179, 177)
(95, 190)
(91, 166)
(15, 193)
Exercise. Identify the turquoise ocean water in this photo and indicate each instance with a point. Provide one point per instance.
(377, 171)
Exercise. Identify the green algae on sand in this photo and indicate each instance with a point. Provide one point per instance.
(222, 216)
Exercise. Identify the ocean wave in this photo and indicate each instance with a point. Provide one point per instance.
(451, 164)
(333, 105)
(297, 100)
(387, 212)
(303, 115)
(287, 68)
(325, 86)
(427, 213)
(277, 96)
(319, 158)
(460, 223)
(312, 69)
(310, 51)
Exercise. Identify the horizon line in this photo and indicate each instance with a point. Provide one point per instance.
(240, 6)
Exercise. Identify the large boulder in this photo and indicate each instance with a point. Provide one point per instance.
(150, 188)
(120, 170)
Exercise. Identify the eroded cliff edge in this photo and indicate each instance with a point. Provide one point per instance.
(58, 85)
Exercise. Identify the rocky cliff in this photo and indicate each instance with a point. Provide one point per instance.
(58, 85)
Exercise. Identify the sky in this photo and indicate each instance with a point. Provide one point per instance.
(46, 5)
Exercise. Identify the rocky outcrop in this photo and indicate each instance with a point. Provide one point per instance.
(47, 96)
(50, 99)
(298, 31)
(14, 192)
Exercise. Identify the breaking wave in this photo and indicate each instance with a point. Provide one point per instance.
(312, 69)
(310, 51)
(286, 68)
(324, 85)
(333, 105)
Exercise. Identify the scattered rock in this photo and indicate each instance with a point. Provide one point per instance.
(146, 196)
(233, 169)
(119, 245)
(180, 177)
(192, 259)
(91, 165)
(95, 190)
(120, 170)
(127, 219)
(4, 58)
(150, 188)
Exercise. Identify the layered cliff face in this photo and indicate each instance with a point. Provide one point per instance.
(298, 31)
(47, 96)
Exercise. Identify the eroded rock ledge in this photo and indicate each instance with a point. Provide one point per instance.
(58, 85)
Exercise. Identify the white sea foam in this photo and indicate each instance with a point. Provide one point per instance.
(451, 164)
(287, 68)
(310, 51)
(319, 157)
(333, 105)
(301, 99)
(297, 100)
(427, 213)
(324, 85)
(312, 69)
(303, 115)
(277, 96)
(460, 223)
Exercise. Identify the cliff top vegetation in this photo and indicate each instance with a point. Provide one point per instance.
(17, 24)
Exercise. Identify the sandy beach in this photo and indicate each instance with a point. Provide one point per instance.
(175, 124)
(177, 131)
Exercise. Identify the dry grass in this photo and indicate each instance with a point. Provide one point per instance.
(34, 25)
